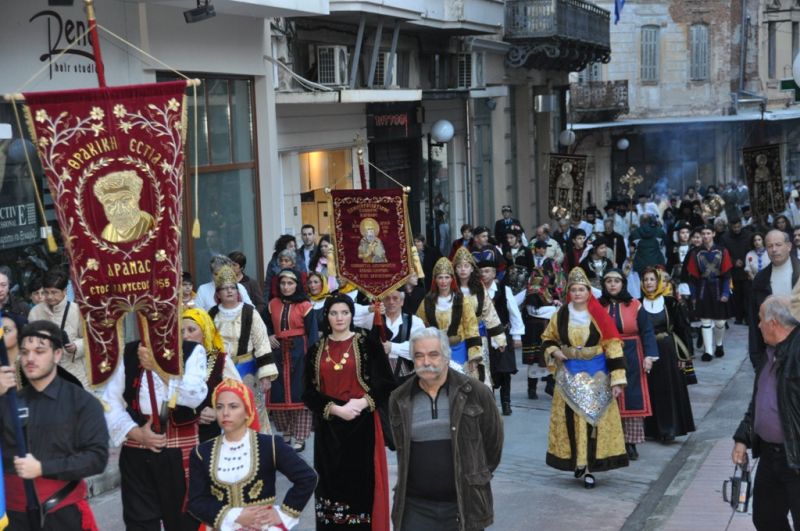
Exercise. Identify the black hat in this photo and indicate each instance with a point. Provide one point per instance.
(44, 330)
(539, 244)
(610, 205)
(480, 229)
(505, 208)
(486, 257)
(745, 208)
(682, 225)
(514, 229)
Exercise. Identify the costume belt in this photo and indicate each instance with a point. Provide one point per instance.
(581, 352)
(585, 387)
(245, 364)
(684, 354)
(458, 352)
(292, 332)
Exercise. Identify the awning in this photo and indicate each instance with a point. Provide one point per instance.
(769, 116)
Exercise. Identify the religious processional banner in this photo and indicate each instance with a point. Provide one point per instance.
(372, 238)
(567, 174)
(762, 167)
(113, 158)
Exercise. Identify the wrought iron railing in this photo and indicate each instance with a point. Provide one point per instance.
(607, 98)
(567, 19)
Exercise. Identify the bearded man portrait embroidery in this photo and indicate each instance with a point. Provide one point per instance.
(371, 249)
(119, 193)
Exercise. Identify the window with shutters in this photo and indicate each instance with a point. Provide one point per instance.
(592, 72)
(698, 39)
(649, 58)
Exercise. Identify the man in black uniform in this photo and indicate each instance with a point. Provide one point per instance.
(65, 430)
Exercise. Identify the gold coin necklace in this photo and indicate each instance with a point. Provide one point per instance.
(337, 365)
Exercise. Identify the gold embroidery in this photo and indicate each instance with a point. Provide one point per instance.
(294, 513)
(357, 356)
(119, 193)
(255, 490)
(217, 493)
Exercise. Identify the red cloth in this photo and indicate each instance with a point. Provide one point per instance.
(380, 500)
(118, 151)
(245, 394)
(15, 497)
(343, 384)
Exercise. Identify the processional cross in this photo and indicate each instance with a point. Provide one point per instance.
(631, 179)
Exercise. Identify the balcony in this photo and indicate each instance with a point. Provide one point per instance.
(556, 34)
(598, 101)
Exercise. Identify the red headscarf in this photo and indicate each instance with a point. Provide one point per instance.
(245, 393)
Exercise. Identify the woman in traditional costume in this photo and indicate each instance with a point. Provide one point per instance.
(322, 262)
(318, 291)
(446, 308)
(669, 396)
(640, 349)
(585, 427)
(468, 278)
(198, 326)
(232, 477)
(245, 338)
(347, 377)
(292, 328)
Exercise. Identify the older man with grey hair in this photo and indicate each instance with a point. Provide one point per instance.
(771, 426)
(449, 438)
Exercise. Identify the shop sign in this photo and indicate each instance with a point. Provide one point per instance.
(59, 30)
(392, 121)
(18, 221)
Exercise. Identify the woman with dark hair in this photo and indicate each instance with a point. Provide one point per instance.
(669, 396)
(757, 258)
(321, 261)
(347, 377)
(782, 223)
(583, 349)
(640, 349)
(318, 291)
(284, 242)
(287, 259)
(292, 328)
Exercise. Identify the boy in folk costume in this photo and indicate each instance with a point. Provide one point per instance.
(709, 271)
(446, 308)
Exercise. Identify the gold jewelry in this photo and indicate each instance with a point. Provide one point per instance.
(337, 366)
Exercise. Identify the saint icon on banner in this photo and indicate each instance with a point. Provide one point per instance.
(119, 193)
(564, 186)
(371, 249)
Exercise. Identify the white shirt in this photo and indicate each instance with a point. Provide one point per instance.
(398, 349)
(515, 318)
(781, 279)
(206, 292)
(190, 391)
(240, 452)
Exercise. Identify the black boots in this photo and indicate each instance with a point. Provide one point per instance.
(505, 393)
(719, 352)
(532, 382)
(506, 406)
(550, 386)
(633, 453)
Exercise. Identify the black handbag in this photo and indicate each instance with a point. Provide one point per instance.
(736, 491)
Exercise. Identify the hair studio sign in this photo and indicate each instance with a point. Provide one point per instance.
(62, 32)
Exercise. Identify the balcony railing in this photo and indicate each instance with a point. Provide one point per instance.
(598, 101)
(561, 34)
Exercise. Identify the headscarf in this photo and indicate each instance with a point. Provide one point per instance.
(325, 293)
(212, 341)
(330, 301)
(663, 288)
(244, 393)
(299, 291)
(606, 326)
(623, 296)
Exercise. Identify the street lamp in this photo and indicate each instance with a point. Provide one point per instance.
(441, 133)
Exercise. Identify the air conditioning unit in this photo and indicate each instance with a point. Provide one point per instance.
(332, 62)
(382, 74)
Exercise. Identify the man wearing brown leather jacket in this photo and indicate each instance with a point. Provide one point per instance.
(449, 438)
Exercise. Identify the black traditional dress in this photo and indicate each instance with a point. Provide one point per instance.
(349, 456)
(669, 396)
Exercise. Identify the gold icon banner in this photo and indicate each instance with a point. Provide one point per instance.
(113, 158)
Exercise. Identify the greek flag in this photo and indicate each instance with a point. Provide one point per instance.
(618, 5)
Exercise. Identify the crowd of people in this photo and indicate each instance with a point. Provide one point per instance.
(624, 296)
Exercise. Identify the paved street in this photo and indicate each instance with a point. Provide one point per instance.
(673, 486)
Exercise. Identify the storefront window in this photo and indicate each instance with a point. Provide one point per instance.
(228, 185)
(437, 163)
(320, 170)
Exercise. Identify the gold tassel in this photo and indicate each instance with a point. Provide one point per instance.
(51, 243)
(196, 229)
(417, 263)
(331, 266)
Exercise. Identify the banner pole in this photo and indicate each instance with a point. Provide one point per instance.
(98, 58)
(361, 170)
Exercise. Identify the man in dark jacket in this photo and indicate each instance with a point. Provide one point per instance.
(777, 278)
(449, 438)
(737, 241)
(648, 238)
(504, 224)
(771, 426)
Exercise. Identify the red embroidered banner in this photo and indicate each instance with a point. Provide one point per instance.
(372, 238)
(113, 158)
